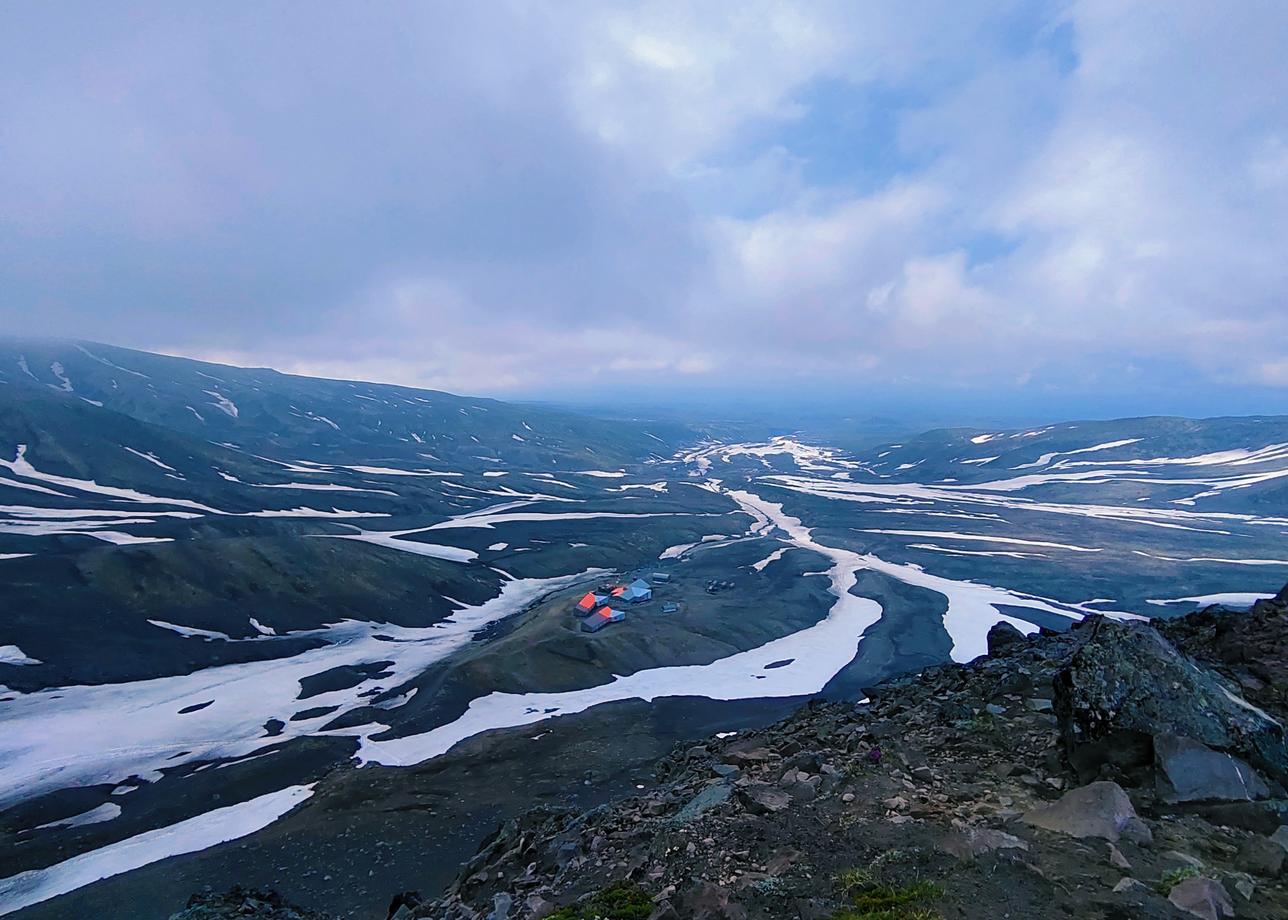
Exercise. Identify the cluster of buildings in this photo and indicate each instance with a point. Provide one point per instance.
(596, 608)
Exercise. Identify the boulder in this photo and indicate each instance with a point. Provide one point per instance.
(403, 905)
(1202, 897)
(709, 798)
(1261, 856)
(1187, 771)
(501, 904)
(665, 910)
(1097, 810)
(1260, 817)
(966, 845)
(712, 902)
(1127, 684)
(1281, 837)
(748, 758)
(1002, 635)
(1131, 886)
(761, 798)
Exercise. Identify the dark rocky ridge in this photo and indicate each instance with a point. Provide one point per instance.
(1114, 771)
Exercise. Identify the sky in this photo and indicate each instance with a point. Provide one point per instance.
(1064, 206)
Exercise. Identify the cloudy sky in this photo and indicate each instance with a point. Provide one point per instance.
(1050, 203)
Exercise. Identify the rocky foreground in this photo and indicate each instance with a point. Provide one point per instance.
(1113, 771)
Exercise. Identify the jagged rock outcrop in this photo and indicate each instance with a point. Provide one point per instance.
(1126, 697)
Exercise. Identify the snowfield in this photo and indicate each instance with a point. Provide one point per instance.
(106, 733)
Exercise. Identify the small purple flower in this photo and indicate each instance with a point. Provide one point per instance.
(874, 755)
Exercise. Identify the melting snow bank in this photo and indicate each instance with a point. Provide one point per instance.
(1232, 599)
(813, 655)
(189, 836)
(972, 607)
(106, 733)
(768, 560)
(11, 654)
(816, 654)
(986, 538)
(391, 541)
(109, 811)
(192, 632)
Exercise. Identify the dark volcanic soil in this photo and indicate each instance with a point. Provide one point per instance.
(368, 832)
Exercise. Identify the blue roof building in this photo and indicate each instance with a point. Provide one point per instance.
(637, 592)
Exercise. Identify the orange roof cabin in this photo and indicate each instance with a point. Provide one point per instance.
(603, 616)
(619, 591)
(586, 605)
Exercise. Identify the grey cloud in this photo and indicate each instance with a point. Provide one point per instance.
(517, 197)
(201, 176)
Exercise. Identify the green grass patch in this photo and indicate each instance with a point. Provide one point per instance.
(619, 901)
(871, 899)
(1171, 879)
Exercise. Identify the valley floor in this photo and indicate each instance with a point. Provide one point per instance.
(344, 756)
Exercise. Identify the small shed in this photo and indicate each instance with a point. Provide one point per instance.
(661, 577)
(670, 607)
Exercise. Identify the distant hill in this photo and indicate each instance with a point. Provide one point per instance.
(264, 411)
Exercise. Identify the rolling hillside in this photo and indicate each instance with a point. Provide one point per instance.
(301, 602)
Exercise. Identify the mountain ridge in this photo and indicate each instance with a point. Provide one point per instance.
(269, 411)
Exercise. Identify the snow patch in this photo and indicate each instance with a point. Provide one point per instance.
(1231, 599)
(192, 632)
(222, 403)
(151, 458)
(103, 813)
(214, 827)
(11, 654)
(60, 372)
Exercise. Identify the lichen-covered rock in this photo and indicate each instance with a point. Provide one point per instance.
(1127, 684)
